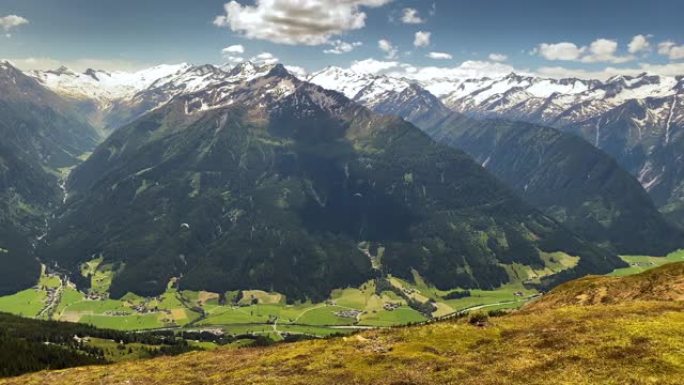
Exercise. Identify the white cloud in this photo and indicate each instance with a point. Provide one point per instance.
(670, 69)
(411, 16)
(671, 50)
(600, 50)
(308, 22)
(233, 49)
(433, 9)
(339, 47)
(638, 44)
(499, 57)
(559, 72)
(560, 51)
(297, 71)
(232, 54)
(475, 69)
(387, 47)
(422, 39)
(436, 77)
(264, 58)
(439, 56)
(664, 47)
(234, 59)
(677, 53)
(603, 50)
(373, 66)
(10, 22)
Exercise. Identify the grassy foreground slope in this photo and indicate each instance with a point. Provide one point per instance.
(664, 283)
(638, 340)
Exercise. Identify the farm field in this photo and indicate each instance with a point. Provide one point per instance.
(641, 263)
(26, 303)
(263, 313)
(255, 312)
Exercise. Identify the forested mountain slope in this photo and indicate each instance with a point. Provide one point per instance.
(273, 183)
(568, 179)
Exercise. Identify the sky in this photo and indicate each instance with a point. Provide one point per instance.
(414, 38)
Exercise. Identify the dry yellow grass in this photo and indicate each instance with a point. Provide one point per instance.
(178, 314)
(71, 316)
(205, 296)
(664, 283)
(633, 343)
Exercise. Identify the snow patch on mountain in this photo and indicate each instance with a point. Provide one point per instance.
(102, 86)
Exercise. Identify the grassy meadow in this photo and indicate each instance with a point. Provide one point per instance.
(263, 313)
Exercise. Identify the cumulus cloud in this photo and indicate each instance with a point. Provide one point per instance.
(340, 47)
(559, 72)
(638, 44)
(411, 16)
(498, 57)
(232, 54)
(671, 50)
(264, 58)
(604, 50)
(10, 22)
(297, 71)
(559, 51)
(600, 50)
(234, 59)
(439, 56)
(422, 39)
(373, 66)
(234, 49)
(467, 69)
(308, 22)
(670, 69)
(387, 47)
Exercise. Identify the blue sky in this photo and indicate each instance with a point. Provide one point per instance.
(542, 36)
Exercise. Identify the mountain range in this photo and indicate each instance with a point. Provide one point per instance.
(638, 120)
(249, 176)
(263, 180)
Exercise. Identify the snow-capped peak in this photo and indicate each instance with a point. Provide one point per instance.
(342, 80)
(102, 86)
(249, 70)
(355, 85)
